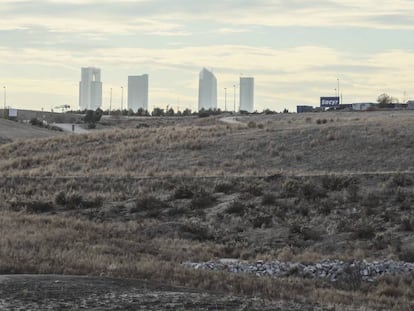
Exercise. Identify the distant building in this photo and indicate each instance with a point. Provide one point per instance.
(207, 90)
(361, 106)
(90, 89)
(410, 104)
(246, 94)
(303, 109)
(138, 92)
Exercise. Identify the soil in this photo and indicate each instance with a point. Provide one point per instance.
(51, 292)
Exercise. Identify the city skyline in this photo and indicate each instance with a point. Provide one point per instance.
(296, 51)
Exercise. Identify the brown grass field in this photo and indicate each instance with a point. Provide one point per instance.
(137, 202)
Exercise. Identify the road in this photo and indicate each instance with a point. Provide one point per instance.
(67, 127)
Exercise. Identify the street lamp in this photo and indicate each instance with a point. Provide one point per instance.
(110, 102)
(4, 97)
(338, 86)
(122, 99)
(234, 89)
(225, 99)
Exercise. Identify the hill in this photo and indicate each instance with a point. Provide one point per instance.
(300, 189)
(10, 131)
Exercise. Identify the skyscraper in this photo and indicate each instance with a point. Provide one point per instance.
(207, 90)
(90, 89)
(246, 94)
(138, 92)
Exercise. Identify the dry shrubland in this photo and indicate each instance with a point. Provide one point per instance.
(138, 202)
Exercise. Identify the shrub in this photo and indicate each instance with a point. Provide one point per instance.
(311, 191)
(39, 207)
(202, 199)
(253, 189)
(224, 187)
(268, 199)
(407, 255)
(236, 208)
(74, 200)
(335, 183)
(251, 124)
(183, 192)
(60, 198)
(290, 188)
(400, 180)
(149, 203)
(364, 232)
(407, 224)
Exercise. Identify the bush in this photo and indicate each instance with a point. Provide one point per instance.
(60, 198)
(400, 180)
(268, 199)
(335, 183)
(236, 208)
(39, 207)
(36, 122)
(364, 232)
(251, 124)
(407, 224)
(225, 187)
(148, 203)
(407, 255)
(202, 199)
(183, 192)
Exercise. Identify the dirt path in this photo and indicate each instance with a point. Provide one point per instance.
(51, 292)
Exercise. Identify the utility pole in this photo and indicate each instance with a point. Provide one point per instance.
(110, 102)
(338, 89)
(225, 99)
(234, 89)
(122, 99)
(4, 103)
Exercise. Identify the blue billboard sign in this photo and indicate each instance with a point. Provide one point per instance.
(329, 102)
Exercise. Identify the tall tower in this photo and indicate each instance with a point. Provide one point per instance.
(247, 94)
(90, 89)
(138, 92)
(207, 90)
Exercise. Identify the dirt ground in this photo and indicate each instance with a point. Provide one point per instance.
(51, 292)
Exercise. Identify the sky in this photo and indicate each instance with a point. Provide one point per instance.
(296, 50)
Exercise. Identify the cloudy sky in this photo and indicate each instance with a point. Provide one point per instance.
(295, 49)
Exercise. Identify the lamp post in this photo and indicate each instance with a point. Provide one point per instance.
(4, 98)
(122, 99)
(225, 99)
(338, 86)
(110, 102)
(234, 93)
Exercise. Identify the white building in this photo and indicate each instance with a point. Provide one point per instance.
(246, 94)
(361, 106)
(90, 89)
(207, 90)
(138, 92)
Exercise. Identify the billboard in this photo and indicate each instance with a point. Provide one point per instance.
(12, 113)
(328, 102)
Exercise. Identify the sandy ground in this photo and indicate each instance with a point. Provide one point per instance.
(50, 292)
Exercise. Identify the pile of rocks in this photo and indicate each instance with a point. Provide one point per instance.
(326, 269)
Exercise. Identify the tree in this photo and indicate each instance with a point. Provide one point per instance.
(157, 112)
(385, 99)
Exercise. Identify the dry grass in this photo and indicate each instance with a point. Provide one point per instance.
(79, 204)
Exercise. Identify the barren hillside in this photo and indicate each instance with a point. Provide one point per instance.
(141, 201)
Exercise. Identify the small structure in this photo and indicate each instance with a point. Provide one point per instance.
(303, 109)
(410, 104)
(361, 106)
